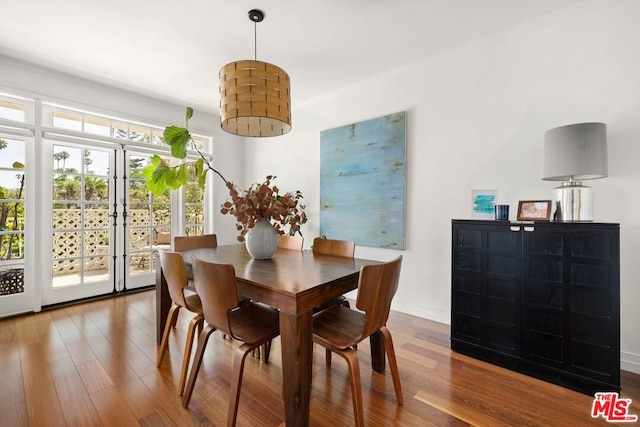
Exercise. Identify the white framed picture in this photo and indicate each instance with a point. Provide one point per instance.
(483, 203)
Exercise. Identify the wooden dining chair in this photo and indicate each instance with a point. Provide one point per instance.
(339, 328)
(184, 243)
(333, 247)
(343, 248)
(290, 242)
(251, 323)
(175, 273)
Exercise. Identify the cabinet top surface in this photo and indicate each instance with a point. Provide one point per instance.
(537, 223)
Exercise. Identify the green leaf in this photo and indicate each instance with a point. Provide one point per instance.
(177, 138)
(202, 179)
(156, 178)
(181, 176)
(200, 172)
(18, 165)
(189, 113)
(199, 166)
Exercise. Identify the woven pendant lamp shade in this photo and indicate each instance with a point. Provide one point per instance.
(255, 99)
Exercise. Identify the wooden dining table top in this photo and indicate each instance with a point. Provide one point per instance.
(289, 273)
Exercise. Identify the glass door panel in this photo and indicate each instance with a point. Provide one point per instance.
(148, 223)
(81, 228)
(194, 210)
(15, 296)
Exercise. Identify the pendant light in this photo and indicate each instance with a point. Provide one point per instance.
(255, 98)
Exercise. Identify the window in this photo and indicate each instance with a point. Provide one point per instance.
(12, 111)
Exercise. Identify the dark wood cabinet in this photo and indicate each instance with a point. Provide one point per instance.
(539, 298)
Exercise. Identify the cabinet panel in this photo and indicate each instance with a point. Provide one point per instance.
(595, 275)
(546, 270)
(545, 348)
(544, 301)
(592, 304)
(486, 306)
(591, 245)
(502, 265)
(549, 296)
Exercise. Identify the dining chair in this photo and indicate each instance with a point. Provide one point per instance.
(162, 238)
(184, 243)
(333, 247)
(251, 323)
(343, 248)
(339, 328)
(290, 242)
(175, 273)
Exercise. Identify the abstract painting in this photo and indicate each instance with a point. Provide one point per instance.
(483, 203)
(362, 182)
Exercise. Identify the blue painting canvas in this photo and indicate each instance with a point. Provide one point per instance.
(362, 182)
(483, 203)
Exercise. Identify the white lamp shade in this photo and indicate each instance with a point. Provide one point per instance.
(575, 152)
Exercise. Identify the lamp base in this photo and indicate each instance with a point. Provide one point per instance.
(574, 202)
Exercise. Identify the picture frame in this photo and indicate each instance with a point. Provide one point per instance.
(483, 204)
(534, 210)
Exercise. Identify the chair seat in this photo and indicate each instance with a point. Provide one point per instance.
(193, 303)
(253, 322)
(338, 327)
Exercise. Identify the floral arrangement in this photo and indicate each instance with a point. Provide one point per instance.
(259, 201)
(264, 201)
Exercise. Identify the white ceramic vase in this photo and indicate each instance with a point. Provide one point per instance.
(262, 240)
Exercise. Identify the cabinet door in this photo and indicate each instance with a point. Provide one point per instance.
(486, 297)
(594, 304)
(545, 296)
(570, 301)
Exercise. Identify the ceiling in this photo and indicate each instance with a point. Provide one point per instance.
(173, 49)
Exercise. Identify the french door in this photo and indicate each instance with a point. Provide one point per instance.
(76, 220)
(105, 224)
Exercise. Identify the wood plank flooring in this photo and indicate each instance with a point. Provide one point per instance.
(93, 364)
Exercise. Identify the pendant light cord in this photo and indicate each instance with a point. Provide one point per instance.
(255, 41)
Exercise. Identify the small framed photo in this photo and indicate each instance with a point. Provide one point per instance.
(534, 210)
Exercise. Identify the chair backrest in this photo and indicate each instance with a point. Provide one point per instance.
(184, 243)
(162, 238)
(377, 286)
(290, 242)
(175, 273)
(216, 285)
(343, 248)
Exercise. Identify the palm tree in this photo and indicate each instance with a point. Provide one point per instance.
(62, 155)
(95, 188)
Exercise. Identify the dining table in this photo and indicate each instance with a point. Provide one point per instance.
(293, 282)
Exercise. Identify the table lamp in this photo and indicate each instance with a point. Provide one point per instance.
(574, 153)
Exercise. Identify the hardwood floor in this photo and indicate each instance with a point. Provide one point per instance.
(93, 364)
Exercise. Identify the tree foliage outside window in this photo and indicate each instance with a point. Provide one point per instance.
(12, 213)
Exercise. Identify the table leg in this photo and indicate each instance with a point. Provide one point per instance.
(163, 303)
(377, 352)
(297, 354)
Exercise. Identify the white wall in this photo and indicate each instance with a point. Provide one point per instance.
(476, 118)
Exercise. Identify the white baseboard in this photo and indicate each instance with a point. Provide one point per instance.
(630, 362)
(431, 313)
